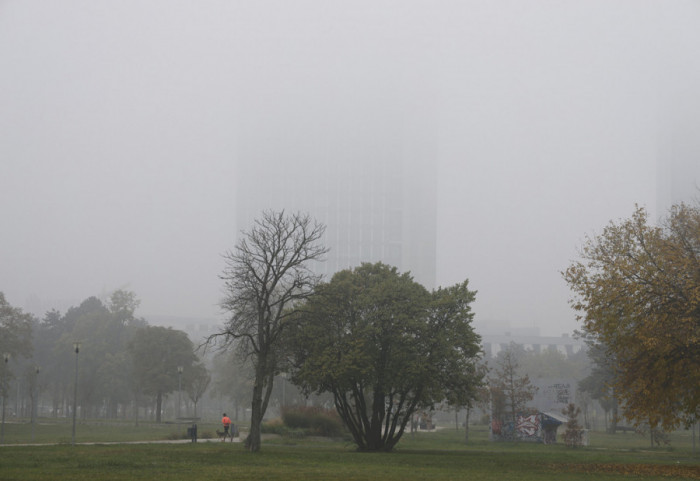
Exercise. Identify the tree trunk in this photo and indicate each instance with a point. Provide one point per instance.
(613, 419)
(375, 441)
(136, 409)
(252, 442)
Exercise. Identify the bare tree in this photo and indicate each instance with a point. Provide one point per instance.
(510, 391)
(265, 276)
(197, 381)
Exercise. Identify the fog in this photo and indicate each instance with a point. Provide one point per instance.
(122, 125)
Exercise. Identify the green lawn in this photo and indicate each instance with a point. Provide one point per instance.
(434, 456)
(60, 431)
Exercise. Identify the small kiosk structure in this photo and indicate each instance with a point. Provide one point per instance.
(539, 427)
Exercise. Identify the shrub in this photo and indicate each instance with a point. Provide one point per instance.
(277, 427)
(314, 420)
(573, 436)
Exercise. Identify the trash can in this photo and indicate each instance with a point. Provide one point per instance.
(192, 433)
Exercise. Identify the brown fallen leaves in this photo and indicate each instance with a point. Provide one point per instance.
(665, 470)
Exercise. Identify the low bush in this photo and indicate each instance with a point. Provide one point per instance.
(314, 420)
(276, 426)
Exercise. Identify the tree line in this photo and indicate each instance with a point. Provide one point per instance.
(377, 342)
(122, 364)
(385, 347)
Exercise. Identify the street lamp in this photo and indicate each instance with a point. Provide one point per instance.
(6, 357)
(35, 398)
(179, 388)
(284, 384)
(76, 346)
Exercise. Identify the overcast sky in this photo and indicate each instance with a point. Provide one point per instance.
(118, 133)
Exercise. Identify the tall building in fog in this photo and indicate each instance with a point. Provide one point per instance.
(678, 164)
(356, 149)
(376, 193)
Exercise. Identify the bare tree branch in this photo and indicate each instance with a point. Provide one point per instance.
(265, 276)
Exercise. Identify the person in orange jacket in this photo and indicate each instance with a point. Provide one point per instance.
(226, 421)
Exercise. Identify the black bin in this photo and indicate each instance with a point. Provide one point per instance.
(192, 433)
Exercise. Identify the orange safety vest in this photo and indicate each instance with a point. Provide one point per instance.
(226, 421)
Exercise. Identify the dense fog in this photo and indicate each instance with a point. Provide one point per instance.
(126, 128)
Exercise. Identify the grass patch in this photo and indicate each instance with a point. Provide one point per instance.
(50, 431)
(433, 456)
(219, 461)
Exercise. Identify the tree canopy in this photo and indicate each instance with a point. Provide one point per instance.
(15, 335)
(637, 288)
(384, 347)
(157, 352)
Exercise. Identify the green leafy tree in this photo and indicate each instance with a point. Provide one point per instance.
(83, 323)
(15, 332)
(156, 353)
(123, 305)
(637, 289)
(385, 347)
(15, 343)
(54, 374)
(266, 275)
(104, 368)
(98, 335)
(104, 332)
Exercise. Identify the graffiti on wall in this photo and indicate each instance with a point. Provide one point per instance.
(554, 394)
(528, 426)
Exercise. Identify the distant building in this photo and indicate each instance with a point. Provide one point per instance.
(553, 395)
(678, 170)
(376, 209)
(678, 156)
(196, 328)
(492, 344)
(364, 165)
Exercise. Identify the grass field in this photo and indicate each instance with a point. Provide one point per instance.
(434, 456)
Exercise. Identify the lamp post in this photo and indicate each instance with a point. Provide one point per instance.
(6, 357)
(35, 398)
(76, 346)
(284, 394)
(179, 388)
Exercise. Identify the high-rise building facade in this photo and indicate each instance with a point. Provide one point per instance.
(376, 196)
(678, 164)
(346, 131)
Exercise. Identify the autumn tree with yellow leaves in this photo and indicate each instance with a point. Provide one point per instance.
(637, 289)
